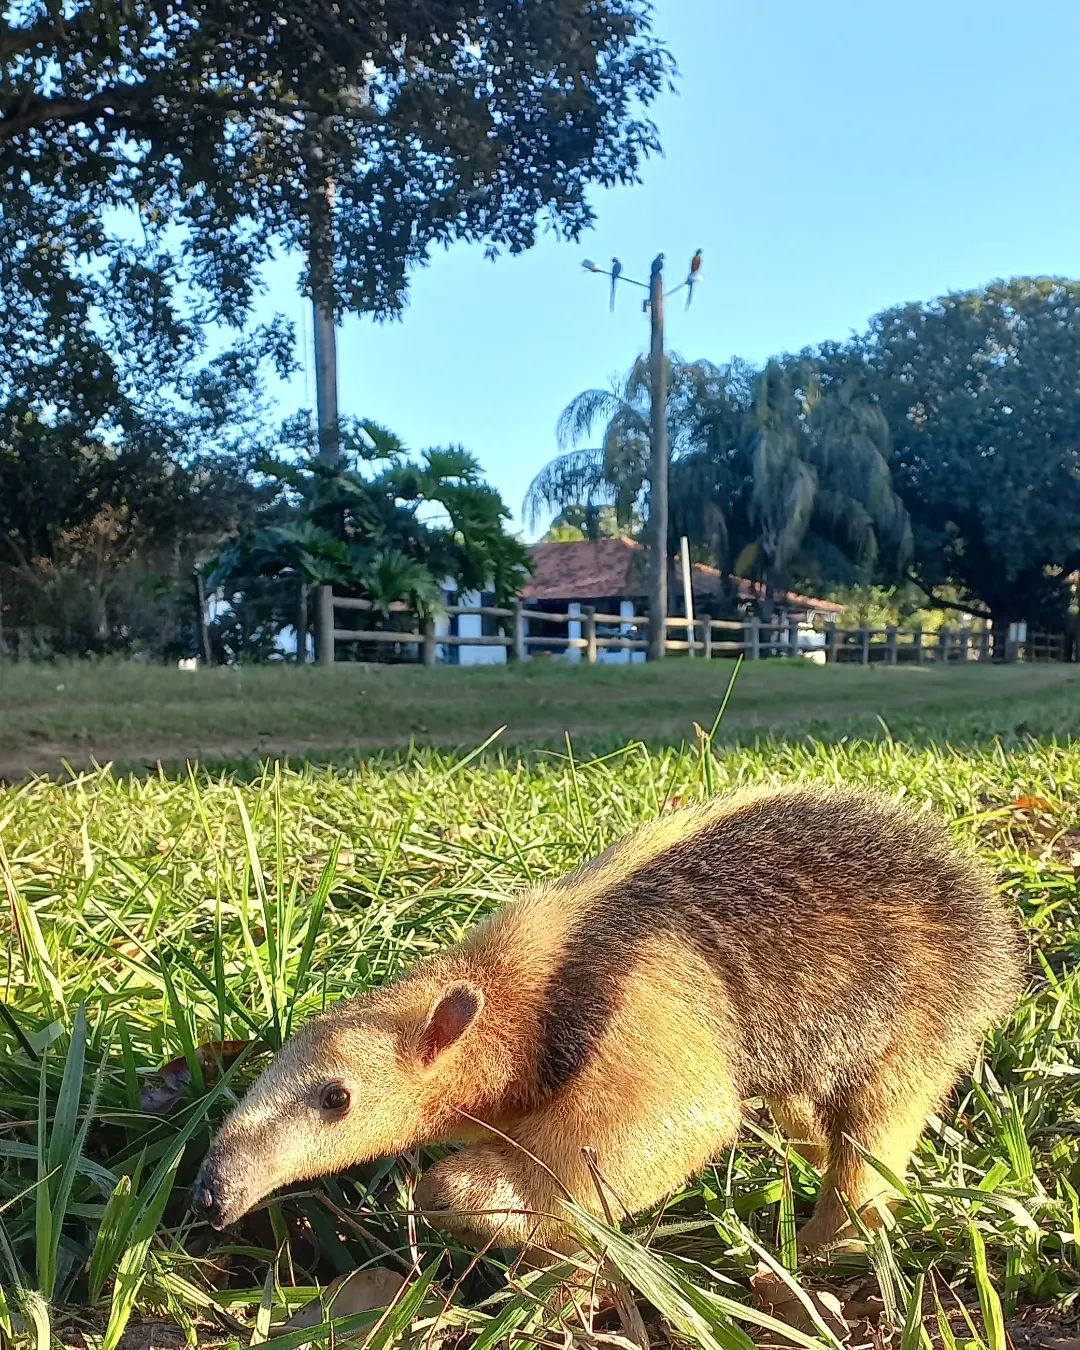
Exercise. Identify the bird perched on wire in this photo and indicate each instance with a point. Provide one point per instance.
(692, 276)
(616, 273)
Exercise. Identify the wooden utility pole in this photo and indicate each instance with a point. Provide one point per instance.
(658, 478)
(658, 433)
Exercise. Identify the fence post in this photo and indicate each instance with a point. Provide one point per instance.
(984, 643)
(588, 630)
(752, 638)
(324, 627)
(517, 648)
(864, 645)
(830, 643)
(793, 637)
(428, 650)
(890, 644)
(917, 646)
(944, 642)
(963, 638)
(706, 639)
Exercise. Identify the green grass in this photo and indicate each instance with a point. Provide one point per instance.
(152, 915)
(133, 714)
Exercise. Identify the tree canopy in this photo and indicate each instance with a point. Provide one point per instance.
(768, 468)
(982, 397)
(154, 154)
(941, 446)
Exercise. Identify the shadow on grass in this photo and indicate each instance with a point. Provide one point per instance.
(237, 722)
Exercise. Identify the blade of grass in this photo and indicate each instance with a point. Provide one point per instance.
(131, 1268)
(989, 1302)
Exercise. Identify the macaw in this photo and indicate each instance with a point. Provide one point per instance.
(692, 276)
(616, 273)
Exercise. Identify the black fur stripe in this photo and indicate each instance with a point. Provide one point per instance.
(797, 904)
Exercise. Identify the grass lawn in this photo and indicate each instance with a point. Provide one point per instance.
(153, 914)
(132, 714)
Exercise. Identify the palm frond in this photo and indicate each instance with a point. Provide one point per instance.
(848, 524)
(369, 440)
(637, 387)
(626, 448)
(574, 479)
(802, 488)
(582, 413)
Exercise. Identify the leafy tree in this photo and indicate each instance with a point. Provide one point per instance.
(382, 527)
(902, 605)
(981, 396)
(576, 523)
(98, 537)
(155, 154)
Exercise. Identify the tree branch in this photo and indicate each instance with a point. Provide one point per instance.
(142, 102)
(16, 41)
(938, 603)
(29, 111)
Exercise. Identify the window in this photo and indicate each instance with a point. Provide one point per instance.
(489, 626)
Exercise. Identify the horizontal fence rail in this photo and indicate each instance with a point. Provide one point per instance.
(752, 638)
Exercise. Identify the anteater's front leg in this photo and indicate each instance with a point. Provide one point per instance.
(491, 1195)
(605, 1159)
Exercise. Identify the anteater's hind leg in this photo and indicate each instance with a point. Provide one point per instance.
(886, 1115)
(801, 1122)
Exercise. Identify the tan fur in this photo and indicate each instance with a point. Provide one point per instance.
(821, 948)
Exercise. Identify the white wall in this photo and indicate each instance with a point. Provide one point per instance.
(574, 630)
(624, 655)
(469, 625)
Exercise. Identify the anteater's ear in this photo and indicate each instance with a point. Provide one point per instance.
(458, 1006)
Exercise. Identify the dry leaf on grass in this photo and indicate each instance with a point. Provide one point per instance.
(160, 1098)
(360, 1291)
(773, 1296)
(1031, 803)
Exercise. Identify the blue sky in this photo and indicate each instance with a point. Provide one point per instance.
(829, 159)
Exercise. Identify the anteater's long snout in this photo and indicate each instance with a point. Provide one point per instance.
(223, 1192)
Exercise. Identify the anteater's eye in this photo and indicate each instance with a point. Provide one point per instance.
(335, 1098)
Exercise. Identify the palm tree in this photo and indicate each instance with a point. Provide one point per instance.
(615, 472)
(770, 471)
(819, 476)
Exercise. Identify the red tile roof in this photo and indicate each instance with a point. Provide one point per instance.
(603, 569)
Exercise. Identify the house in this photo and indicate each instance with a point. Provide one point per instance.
(611, 576)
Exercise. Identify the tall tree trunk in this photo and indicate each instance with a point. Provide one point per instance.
(321, 247)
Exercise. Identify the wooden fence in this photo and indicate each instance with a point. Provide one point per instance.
(752, 638)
